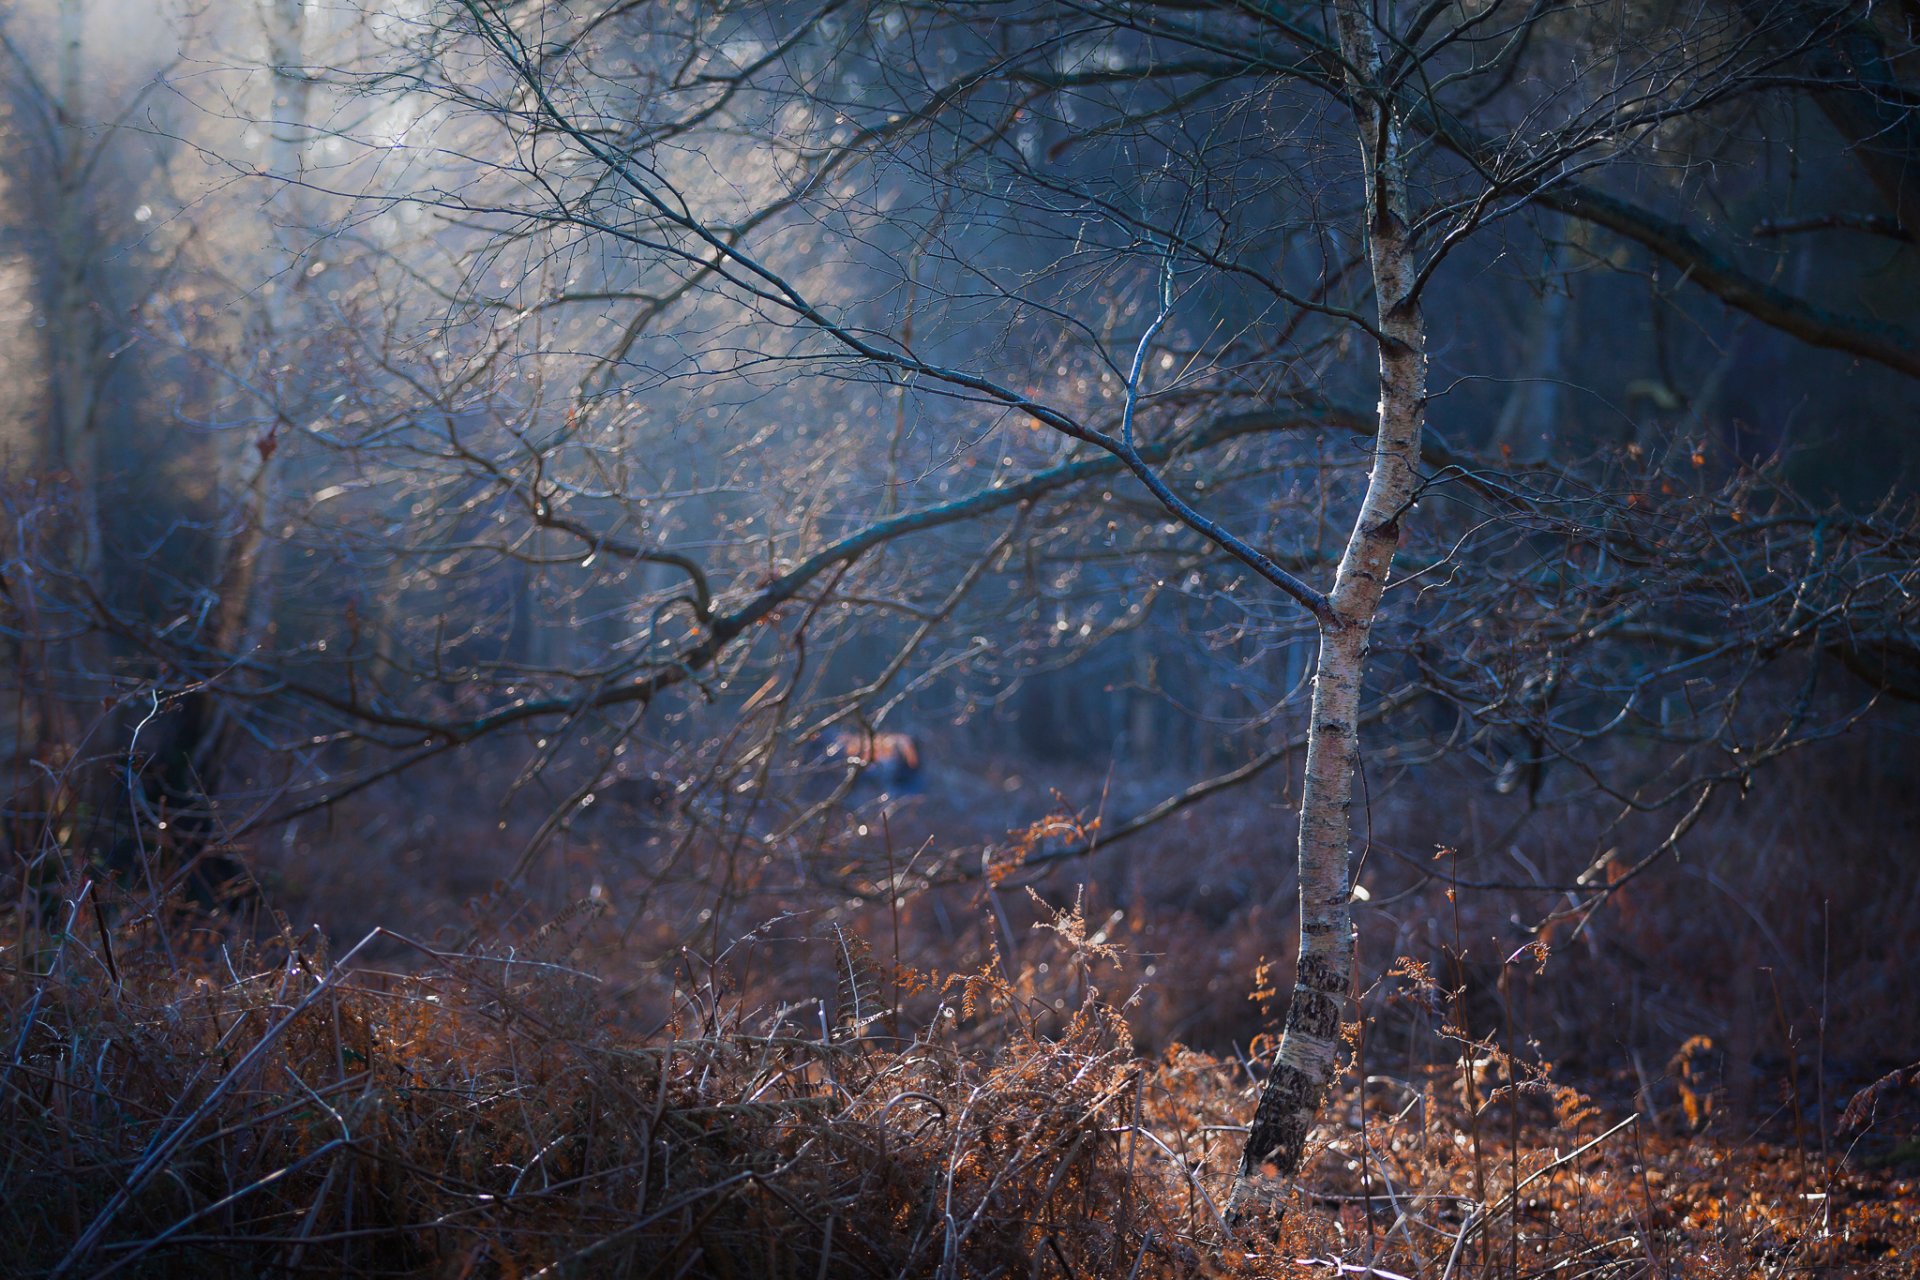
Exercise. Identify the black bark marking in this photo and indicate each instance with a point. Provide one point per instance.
(1280, 1124)
(1317, 973)
(1313, 1013)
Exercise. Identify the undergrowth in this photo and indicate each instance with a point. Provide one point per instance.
(173, 1103)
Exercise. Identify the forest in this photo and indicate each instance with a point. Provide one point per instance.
(969, 639)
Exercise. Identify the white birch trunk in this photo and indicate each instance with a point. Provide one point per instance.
(1309, 1047)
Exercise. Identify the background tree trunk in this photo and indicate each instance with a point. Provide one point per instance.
(245, 583)
(187, 775)
(74, 343)
(1536, 402)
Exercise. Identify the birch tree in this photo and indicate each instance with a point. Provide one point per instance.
(1310, 1046)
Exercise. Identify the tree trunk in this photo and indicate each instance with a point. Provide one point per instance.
(188, 773)
(74, 341)
(1309, 1047)
(245, 582)
(1531, 415)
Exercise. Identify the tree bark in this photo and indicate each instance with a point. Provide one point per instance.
(75, 340)
(188, 773)
(1309, 1046)
(1532, 412)
(245, 582)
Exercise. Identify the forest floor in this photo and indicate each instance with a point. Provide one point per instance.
(186, 1104)
(661, 1059)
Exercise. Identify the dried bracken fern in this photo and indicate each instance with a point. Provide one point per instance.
(246, 1111)
(283, 1115)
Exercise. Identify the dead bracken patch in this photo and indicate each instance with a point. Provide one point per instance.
(271, 1111)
